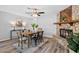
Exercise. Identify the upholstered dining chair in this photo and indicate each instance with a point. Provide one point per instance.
(21, 39)
(40, 36)
(35, 38)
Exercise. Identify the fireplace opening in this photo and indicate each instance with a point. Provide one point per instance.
(65, 33)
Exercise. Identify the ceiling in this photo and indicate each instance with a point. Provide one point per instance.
(49, 10)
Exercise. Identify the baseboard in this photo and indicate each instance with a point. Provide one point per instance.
(5, 39)
(47, 36)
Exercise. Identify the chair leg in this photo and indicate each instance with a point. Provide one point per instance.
(39, 41)
(18, 43)
(28, 43)
(35, 42)
(21, 45)
(42, 40)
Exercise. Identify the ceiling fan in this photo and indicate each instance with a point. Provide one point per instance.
(34, 12)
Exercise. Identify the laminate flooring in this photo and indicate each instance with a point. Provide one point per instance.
(48, 46)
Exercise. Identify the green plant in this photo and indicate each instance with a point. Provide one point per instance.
(76, 37)
(34, 25)
(62, 18)
(73, 42)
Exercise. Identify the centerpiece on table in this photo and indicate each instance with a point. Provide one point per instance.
(34, 26)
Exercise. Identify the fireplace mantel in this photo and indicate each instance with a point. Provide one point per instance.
(71, 22)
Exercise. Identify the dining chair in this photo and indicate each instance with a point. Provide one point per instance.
(21, 39)
(35, 38)
(40, 36)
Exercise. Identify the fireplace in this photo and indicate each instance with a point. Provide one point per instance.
(65, 33)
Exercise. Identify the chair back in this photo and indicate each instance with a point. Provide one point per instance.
(40, 34)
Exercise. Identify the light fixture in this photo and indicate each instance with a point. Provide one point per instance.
(24, 23)
(17, 24)
(12, 23)
(34, 15)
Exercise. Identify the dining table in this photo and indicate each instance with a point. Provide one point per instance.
(27, 35)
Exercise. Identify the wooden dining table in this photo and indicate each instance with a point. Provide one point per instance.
(27, 35)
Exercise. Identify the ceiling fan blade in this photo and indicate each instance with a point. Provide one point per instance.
(38, 14)
(41, 12)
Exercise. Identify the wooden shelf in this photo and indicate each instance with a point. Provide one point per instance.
(71, 22)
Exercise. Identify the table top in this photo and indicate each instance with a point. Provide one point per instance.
(28, 33)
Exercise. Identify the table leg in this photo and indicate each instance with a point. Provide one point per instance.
(28, 41)
(11, 35)
(21, 43)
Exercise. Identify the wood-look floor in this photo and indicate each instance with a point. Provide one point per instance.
(51, 46)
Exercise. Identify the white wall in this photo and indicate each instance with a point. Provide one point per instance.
(47, 23)
(5, 28)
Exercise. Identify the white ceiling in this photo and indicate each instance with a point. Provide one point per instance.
(49, 10)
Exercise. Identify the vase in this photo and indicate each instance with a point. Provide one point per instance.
(34, 30)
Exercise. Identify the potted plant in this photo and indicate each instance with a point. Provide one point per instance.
(62, 18)
(34, 26)
(73, 42)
